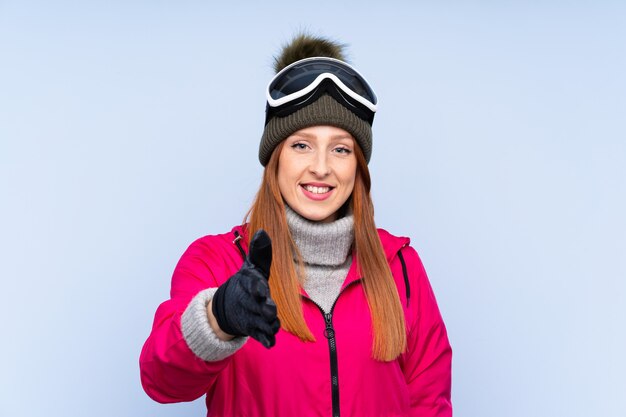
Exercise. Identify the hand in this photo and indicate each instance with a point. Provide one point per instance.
(242, 306)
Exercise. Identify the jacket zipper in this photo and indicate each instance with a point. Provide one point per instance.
(329, 333)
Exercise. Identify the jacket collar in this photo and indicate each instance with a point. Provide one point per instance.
(391, 245)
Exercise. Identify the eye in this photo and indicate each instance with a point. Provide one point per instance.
(299, 146)
(343, 150)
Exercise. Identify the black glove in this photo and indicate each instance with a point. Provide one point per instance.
(242, 305)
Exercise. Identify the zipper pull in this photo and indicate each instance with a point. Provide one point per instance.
(329, 332)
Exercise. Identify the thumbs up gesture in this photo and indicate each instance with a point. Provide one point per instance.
(242, 306)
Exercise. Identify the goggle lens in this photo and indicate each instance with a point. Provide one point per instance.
(300, 76)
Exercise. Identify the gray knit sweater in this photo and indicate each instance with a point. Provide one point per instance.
(325, 249)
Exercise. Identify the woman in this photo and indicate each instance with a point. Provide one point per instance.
(324, 315)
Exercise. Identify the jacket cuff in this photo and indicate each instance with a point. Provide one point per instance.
(199, 335)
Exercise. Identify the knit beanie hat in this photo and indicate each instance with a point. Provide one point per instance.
(323, 111)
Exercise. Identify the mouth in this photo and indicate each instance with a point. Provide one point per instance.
(317, 189)
(317, 192)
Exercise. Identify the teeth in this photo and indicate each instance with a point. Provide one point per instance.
(317, 190)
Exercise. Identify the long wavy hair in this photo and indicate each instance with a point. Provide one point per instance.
(268, 213)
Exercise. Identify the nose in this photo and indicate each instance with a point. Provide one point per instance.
(320, 164)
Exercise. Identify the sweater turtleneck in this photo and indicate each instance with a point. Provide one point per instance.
(326, 252)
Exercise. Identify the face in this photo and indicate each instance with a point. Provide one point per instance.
(316, 171)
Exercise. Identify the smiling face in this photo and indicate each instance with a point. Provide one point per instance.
(316, 171)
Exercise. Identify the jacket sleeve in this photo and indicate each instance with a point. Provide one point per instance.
(170, 371)
(428, 359)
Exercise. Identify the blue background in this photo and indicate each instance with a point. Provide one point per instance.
(128, 129)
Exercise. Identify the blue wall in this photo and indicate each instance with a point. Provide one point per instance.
(128, 129)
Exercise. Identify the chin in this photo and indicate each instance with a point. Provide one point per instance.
(317, 216)
(314, 217)
(323, 217)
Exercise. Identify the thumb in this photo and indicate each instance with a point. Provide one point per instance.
(260, 253)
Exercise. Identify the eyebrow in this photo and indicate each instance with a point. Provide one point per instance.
(334, 137)
(342, 137)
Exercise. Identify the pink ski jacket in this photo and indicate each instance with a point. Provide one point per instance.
(333, 376)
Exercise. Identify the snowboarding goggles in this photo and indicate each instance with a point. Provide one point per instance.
(304, 81)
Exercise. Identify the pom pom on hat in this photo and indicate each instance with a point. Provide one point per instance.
(306, 46)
